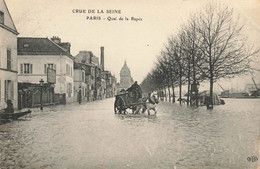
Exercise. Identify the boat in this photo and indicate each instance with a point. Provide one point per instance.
(14, 116)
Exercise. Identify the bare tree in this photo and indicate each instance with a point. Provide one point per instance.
(209, 47)
(224, 49)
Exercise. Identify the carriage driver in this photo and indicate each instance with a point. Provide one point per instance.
(137, 88)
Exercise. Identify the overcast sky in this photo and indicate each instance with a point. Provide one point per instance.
(136, 42)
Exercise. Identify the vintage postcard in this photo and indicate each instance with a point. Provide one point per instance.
(133, 84)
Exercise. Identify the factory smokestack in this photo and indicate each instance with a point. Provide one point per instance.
(102, 58)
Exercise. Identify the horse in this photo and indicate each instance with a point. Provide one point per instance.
(149, 103)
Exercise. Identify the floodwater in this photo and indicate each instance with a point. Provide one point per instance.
(90, 136)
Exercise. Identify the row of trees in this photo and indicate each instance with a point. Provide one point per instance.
(210, 46)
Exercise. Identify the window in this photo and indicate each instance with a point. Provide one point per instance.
(9, 60)
(67, 69)
(49, 65)
(83, 77)
(9, 90)
(2, 17)
(26, 68)
(69, 89)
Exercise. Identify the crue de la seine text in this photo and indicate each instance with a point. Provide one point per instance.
(108, 15)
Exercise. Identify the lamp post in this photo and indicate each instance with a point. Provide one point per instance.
(41, 84)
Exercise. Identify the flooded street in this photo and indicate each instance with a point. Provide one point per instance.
(90, 135)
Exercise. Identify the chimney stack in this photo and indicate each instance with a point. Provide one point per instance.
(56, 39)
(102, 58)
(65, 45)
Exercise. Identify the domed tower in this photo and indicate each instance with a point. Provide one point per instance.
(125, 77)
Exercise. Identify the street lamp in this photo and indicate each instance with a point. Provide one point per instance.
(41, 84)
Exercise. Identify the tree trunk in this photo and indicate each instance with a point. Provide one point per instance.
(165, 93)
(210, 99)
(197, 96)
(188, 94)
(194, 81)
(169, 92)
(180, 91)
(173, 94)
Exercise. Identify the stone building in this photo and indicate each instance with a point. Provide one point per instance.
(125, 77)
(37, 55)
(8, 56)
(80, 84)
(89, 62)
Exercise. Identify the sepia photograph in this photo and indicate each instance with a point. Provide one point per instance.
(133, 84)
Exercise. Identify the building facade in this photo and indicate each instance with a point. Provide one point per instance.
(86, 59)
(126, 79)
(36, 55)
(80, 84)
(110, 81)
(8, 56)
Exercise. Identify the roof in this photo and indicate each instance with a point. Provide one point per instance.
(8, 21)
(78, 66)
(39, 46)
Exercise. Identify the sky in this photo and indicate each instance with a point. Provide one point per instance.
(136, 42)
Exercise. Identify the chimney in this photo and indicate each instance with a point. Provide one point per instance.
(102, 58)
(56, 39)
(66, 46)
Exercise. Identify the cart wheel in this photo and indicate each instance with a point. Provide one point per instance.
(119, 106)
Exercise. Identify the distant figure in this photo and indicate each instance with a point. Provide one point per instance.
(10, 107)
(80, 99)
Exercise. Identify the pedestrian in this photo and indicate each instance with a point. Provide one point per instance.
(80, 99)
(10, 107)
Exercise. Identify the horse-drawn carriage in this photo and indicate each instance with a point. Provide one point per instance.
(126, 100)
(132, 99)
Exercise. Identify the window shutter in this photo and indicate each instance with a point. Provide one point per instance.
(9, 60)
(45, 68)
(12, 62)
(12, 90)
(2, 17)
(31, 69)
(6, 90)
(21, 68)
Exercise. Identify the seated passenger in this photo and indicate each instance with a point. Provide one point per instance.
(137, 88)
